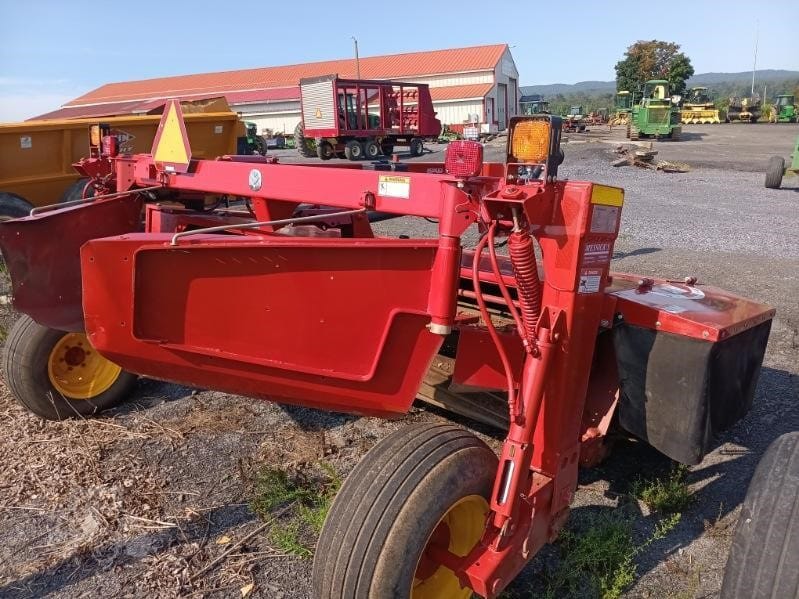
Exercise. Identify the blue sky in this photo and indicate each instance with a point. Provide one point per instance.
(51, 51)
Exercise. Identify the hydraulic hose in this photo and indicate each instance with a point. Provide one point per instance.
(513, 406)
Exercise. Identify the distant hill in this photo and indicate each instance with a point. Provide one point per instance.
(604, 87)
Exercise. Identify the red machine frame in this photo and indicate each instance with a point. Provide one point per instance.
(392, 301)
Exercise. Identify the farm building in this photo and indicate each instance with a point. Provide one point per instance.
(480, 80)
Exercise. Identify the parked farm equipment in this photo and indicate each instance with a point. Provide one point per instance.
(698, 108)
(322, 312)
(574, 122)
(655, 114)
(358, 118)
(744, 110)
(533, 104)
(623, 106)
(784, 109)
(37, 156)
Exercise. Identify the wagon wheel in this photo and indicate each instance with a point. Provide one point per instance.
(387, 148)
(423, 486)
(324, 150)
(417, 147)
(57, 375)
(13, 206)
(371, 150)
(353, 150)
(306, 147)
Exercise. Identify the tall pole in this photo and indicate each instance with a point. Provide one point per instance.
(754, 66)
(357, 60)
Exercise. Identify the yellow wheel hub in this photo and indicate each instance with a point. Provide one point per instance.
(77, 370)
(458, 531)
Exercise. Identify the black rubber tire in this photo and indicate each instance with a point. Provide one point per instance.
(387, 149)
(324, 150)
(13, 206)
(371, 151)
(75, 191)
(764, 558)
(353, 150)
(417, 147)
(306, 147)
(25, 358)
(774, 172)
(389, 506)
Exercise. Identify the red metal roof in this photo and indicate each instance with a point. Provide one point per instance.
(410, 64)
(460, 92)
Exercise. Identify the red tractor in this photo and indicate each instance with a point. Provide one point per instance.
(358, 118)
(328, 314)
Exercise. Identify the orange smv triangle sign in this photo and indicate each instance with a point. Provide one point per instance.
(171, 151)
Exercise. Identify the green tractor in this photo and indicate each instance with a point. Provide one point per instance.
(776, 168)
(622, 107)
(655, 115)
(784, 109)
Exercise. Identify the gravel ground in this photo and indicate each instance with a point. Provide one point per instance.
(140, 501)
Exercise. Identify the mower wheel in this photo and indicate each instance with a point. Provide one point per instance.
(774, 172)
(353, 150)
(371, 150)
(764, 558)
(422, 486)
(13, 206)
(57, 375)
(324, 150)
(417, 147)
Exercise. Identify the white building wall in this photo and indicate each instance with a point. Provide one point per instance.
(456, 112)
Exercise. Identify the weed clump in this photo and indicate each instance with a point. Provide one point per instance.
(309, 492)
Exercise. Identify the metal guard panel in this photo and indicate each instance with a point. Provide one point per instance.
(339, 325)
(698, 311)
(42, 253)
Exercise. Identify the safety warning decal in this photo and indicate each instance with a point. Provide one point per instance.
(390, 186)
(590, 279)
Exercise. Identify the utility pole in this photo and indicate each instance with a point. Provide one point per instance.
(358, 61)
(754, 66)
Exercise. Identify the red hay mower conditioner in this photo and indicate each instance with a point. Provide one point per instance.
(430, 511)
(359, 118)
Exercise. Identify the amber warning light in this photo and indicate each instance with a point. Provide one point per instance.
(464, 159)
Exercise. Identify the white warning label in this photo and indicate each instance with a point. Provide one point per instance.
(394, 187)
(589, 281)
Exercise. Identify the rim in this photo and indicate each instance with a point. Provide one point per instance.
(459, 530)
(77, 370)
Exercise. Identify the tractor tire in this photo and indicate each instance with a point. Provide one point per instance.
(633, 134)
(371, 150)
(674, 135)
(423, 484)
(58, 375)
(306, 147)
(77, 190)
(774, 172)
(13, 206)
(353, 150)
(417, 147)
(764, 558)
(387, 149)
(324, 150)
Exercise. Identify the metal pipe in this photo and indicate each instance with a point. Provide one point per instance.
(264, 223)
(48, 207)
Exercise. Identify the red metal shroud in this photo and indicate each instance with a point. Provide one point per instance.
(698, 311)
(46, 275)
(337, 324)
